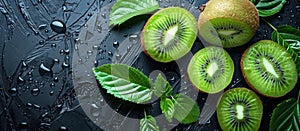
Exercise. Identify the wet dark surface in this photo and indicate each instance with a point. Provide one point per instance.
(48, 49)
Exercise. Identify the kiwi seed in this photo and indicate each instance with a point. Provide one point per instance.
(239, 109)
(211, 69)
(169, 34)
(269, 69)
(228, 23)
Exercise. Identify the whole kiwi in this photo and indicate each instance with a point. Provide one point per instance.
(228, 23)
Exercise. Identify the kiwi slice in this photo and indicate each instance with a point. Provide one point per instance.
(269, 69)
(211, 69)
(228, 23)
(239, 109)
(169, 34)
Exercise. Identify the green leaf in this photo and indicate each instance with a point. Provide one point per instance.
(123, 10)
(186, 109)
(162, 87)
(148, 124)
(289, 37)
(124, 82)
(167, 107)
(286, 116)
(268, 7)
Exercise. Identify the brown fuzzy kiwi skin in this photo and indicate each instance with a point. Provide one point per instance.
(230, 9)
(243, 72)
(142, 37)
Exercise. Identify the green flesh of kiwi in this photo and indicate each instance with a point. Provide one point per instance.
(211, 69)
(269, 69)
(239, 109)
(226, 32)
(228, 23)
(169, 34)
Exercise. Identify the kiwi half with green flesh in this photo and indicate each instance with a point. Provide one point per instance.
(269, 69)
(211, 69)
(228, 23)
(239, 109)
(169, 34)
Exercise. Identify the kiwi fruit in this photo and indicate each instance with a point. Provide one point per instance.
(239, 109)
(269, 69)
(169, 34)
(228, 23)
(211, 69)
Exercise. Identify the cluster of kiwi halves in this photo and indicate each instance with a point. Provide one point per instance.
(267, 67)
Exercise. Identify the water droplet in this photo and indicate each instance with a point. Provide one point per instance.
(23, 125)
(279, 17)
(20, 79)
(35, 91)
(61, 52)
(67, 51)
(292, 16)
(172, 78)
(109, 53)
(29, 105)
(51, 93)
(52, 85)
(56, 60)
(95, 112)
(133, 38)
(65, 65)
(99, 28)
(53, 45)
(42, 26)
(45, 67)
(58, 26)
(55, 79)
(63, 128)
(95, 47)
(103, 15)
(90, 52)
(37, 107)
(207, 122)
(129, 47)
(13, 91)
(24, 64)
(116, 44)
(118, 56)
(77, 40)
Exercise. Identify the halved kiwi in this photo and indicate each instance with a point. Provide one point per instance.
(211, 69)
(239, 109)
(269, 69)
(169, 34)
(228, 23)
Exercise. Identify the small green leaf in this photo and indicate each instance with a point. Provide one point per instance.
(162, 87)
(123, 10)
(148, 124)
(124, 82)
(186, 109)
(286, 116)
(289, 38)
(167, 107)
(268, 7)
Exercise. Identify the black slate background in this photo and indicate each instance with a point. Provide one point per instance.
(23, 35)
